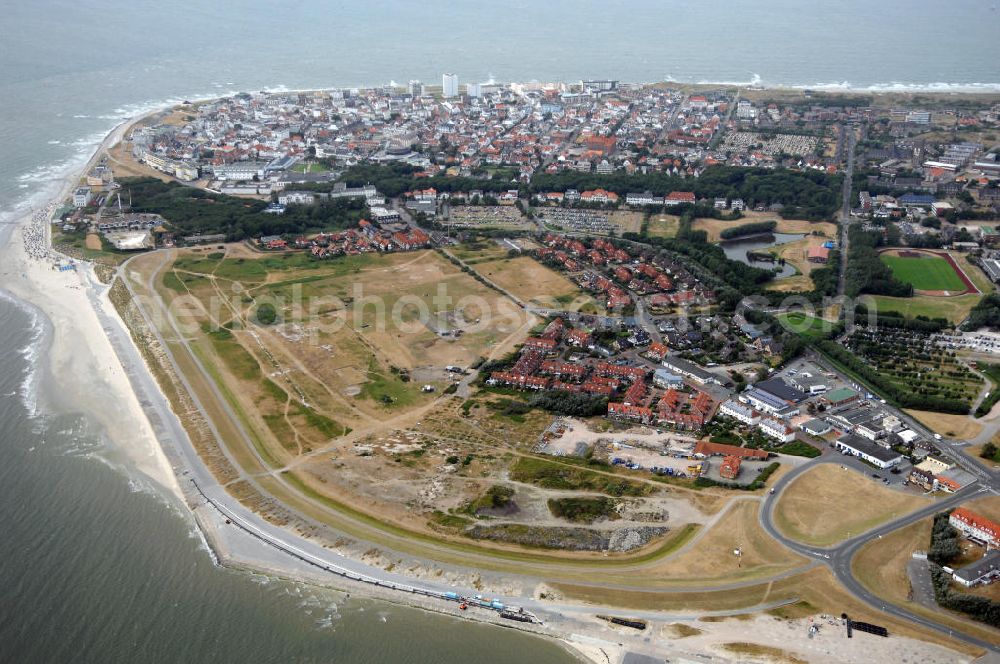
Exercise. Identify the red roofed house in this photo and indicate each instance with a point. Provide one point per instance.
(705, 448)
(554, 330)
(578, 338)
(730, 467)
(657, 351)
(540, 342)
(819, 254)
(664, 282)
(678, 197)
(976, 526)
(685, 411)
(620, 371)
(623, 411)
(636, 393)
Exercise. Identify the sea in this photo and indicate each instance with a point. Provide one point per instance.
(96, 565)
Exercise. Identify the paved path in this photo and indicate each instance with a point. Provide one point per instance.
(919, 573)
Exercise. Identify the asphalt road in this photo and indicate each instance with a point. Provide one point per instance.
(838, 558)
(845, 207)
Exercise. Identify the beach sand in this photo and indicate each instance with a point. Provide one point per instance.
(81, 366)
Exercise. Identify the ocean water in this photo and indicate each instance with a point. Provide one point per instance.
(94, 566)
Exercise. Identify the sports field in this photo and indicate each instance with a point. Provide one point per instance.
(925, 272)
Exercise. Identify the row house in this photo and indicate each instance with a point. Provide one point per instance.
(563, 369)
(621, 411)
(541, 343)
(620, 371)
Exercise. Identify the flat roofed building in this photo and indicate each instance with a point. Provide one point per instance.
(985, 570)
(765, 402)
(781, 390)
(690, 369)
(863, 448)
(816, 427)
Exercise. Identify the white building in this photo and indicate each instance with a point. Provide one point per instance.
(297, 198)
(81, 197)
(777, 429)
(740, 412)
(644, 198)
(983, 571)
(878, 456)
(449, 85)
(975, 526)
(241, 170)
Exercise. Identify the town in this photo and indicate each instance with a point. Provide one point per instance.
(679, 309)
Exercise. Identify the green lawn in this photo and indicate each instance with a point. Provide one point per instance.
(303, 167)
(955, 309)
(925, 273)
(805, 325)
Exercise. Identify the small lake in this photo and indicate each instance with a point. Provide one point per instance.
(737, 250)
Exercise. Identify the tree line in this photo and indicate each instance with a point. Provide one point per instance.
(754, 228)
(986, 313)
(804, 194)
(866, 273)
(192, 211)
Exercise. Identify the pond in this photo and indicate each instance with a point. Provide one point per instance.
(738, 249)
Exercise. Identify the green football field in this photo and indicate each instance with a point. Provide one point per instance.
(926, 273)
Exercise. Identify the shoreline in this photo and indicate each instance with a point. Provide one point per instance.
(143, 410)
(93, 348)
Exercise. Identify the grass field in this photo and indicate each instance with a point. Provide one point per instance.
(925, 273)
(663, 225)
(712, 555)
(881, 564)
(954, 309)
(804, 325)
(829, 504)
(532, 282)
(952, 426)
(355, 338)
(304, 167)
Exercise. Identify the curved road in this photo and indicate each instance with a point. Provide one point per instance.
(839, 558)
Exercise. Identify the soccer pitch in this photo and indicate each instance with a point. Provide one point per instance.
(925, 273)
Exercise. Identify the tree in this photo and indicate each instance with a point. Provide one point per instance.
(989, 451)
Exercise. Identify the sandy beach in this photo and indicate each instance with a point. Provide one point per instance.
(81, 365)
